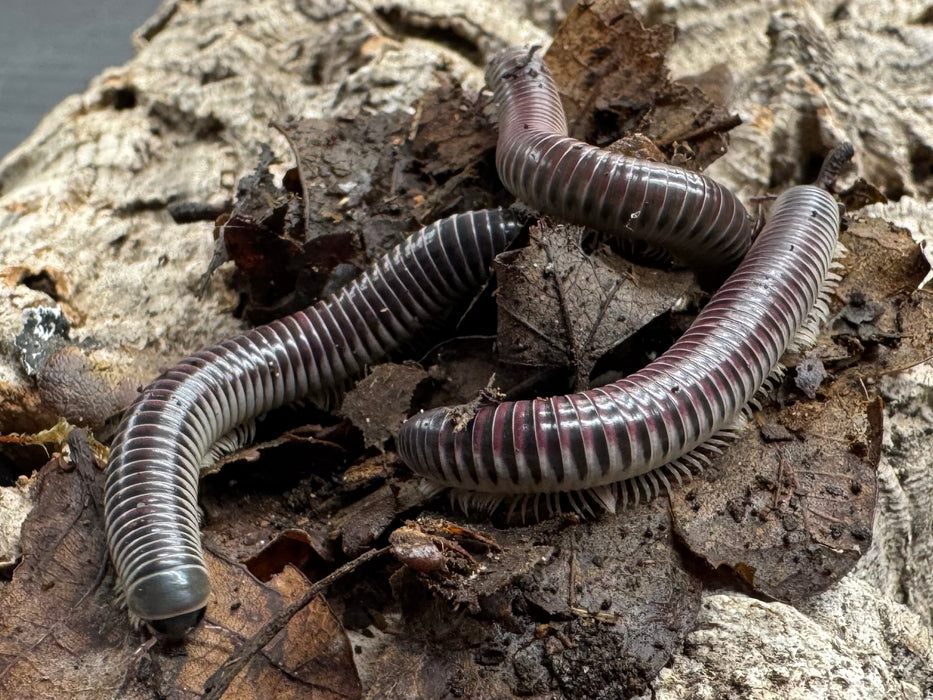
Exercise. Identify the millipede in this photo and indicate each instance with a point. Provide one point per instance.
(205, 404)
(692, 216)
(622, 441)
(604, 447)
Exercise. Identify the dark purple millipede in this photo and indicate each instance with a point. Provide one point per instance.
(695, 218)
(590, 442)
(608, 444)
(621, 441)
(199, 406)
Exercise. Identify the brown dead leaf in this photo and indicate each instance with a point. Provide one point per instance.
(860, 194)
(611, 72)
(381, 177)
(887, 322)
(381, 401)
(559, 307)
(454, 149)
(310, 658)
(61, 635)
(790, 517)
(360, 187)
(435, 544)
(283, 263)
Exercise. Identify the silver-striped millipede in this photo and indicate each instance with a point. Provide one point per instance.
(150, 498)
(589, 444)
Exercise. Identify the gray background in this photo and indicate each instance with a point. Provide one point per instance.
(51, 48)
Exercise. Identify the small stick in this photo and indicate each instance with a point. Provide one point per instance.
(220, 680)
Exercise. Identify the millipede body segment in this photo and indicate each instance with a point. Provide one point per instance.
(593, 441)
(150, 500)
(695, 218)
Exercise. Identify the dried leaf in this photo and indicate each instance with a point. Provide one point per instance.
(310, 658)
(454, 149)
(60, 634)
(559, 307)
(355, 528)
(860, 194)
(790, 518)
(361, 185)
(611, 72)
(381, 401)
(887, 322)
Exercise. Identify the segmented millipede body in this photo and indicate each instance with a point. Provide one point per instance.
(150, 506)
(589, 443)
(695, 218)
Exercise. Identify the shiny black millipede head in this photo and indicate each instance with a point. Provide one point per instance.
(170, 602)
(173, 629)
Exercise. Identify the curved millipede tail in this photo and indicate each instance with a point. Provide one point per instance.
(150, 498)
(623, 440)
(695, 218)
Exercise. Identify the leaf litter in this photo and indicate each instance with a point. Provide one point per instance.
(564, 608)
(560, 307)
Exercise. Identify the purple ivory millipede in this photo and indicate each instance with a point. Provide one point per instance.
(596, 445)
(624, 439)
(696, 219)
(198, 407)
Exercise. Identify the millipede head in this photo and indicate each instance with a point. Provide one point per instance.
(170, 602)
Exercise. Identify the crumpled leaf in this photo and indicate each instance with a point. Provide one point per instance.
(291, 547)
(610, 70)
(60, 634)
(560, 307)
(860, 194)
(310, 658)
(434, 545)
(283, 264)
(887, 321)
(454, 150)
(361, 186)
(790, 518)
(380, 402)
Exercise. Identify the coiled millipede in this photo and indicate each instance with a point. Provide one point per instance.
(624, 440)
(150, 498)
(605, 444)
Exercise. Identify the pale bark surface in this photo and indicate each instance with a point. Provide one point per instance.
(84, 214)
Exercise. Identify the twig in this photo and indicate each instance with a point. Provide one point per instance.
(897, 370)
(717, 127)
(220, 680)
